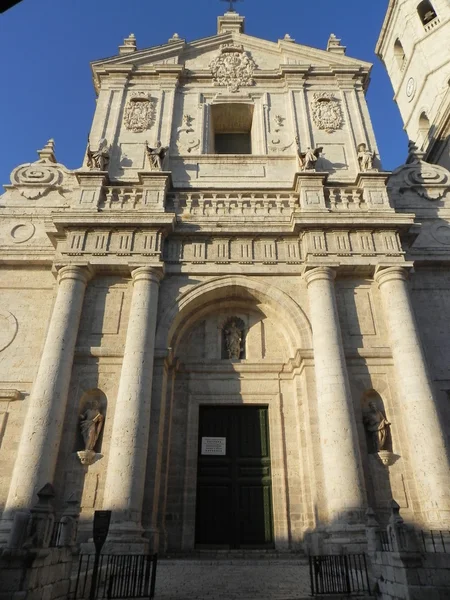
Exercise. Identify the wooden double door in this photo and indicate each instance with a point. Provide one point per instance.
(234, 491)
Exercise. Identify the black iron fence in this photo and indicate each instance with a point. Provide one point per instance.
(435, 540)
(115, 576)
(339, 574)
(56, 534)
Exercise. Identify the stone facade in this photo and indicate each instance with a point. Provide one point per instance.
(119, 280)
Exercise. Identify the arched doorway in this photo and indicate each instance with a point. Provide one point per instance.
(234, 342)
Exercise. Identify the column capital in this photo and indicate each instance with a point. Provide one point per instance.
(154, 274)
(82, 272)
(320, 273)
(394, 273)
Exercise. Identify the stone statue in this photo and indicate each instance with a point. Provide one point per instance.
(377, 427)
(98, 159)
(365, 158)
(156, 155)
(307, 160)
(233, 340)
(91, 423)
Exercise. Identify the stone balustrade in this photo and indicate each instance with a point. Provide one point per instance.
(224, 204)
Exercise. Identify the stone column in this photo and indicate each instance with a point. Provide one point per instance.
(415, 397)
(125, 479)
(344, 488)
(42, 430)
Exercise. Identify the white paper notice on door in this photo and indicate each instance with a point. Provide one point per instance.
(214, 446)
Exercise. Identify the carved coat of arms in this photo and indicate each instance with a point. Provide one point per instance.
(139, 112)
(326, 112)
(233, 67)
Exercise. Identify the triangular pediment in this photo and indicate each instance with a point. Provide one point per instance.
(197, 55)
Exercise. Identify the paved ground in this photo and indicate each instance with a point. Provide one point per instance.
(232, 579)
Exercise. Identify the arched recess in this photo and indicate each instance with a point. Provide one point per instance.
(424, 127)
(183, 312)
(399, 54)
(426, 12)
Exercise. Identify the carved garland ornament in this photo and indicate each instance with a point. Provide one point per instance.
(233, 67)
(326, 112)
(139, 112)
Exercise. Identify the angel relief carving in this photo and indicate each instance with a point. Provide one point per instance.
(326, 112)
(233, 67)
(139, 112)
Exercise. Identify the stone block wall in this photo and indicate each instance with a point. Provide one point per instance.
(42, 574)
(412, 575)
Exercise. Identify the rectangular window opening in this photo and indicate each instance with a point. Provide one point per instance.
(231, 128)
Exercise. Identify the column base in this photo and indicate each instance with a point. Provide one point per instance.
(126, 538)
(350, 539)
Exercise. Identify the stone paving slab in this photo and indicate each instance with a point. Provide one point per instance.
(232, 579)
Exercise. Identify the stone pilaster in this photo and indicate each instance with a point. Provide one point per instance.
(125, 479)
(415, 396)
(338, 437)
(42, 430)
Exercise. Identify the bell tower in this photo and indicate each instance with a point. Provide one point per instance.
(412, 46)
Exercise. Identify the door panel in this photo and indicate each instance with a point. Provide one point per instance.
(234, 495)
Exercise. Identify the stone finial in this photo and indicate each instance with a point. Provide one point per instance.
(288, 38)
(129, 45)
(47, 154)
(334, 45)
(371, 520)
(231, 21)
(174, 38)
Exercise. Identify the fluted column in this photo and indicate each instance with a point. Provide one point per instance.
(125, 480)
(42, 430)
(419, 414)
(344, 489)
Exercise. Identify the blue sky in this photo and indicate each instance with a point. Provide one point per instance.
(47, 46)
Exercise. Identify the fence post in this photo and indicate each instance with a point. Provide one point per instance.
(372, 532)
(402, 537)
(69, 524)
(42, 518)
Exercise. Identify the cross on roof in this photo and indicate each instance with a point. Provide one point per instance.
(231, 3)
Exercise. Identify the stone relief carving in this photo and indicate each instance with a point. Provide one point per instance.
(233, 67)
(278, 140)
(98, 160)
(365, 158)
(34, 180)
(139, 112)
(377, 428)
(307, 160)
(233, 332)
(156, 156)
(91, 423)
(186, 142)
(326, 112)
(8, 328)
(22, 232)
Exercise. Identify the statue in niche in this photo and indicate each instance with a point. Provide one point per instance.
(365, 158)
(98, 159)
(156, 155)
(307, 160)
(377, 427)
(91, 423)
(233, 335)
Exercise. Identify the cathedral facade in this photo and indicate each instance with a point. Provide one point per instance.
(230, 325)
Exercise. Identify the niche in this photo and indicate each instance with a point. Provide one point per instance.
(233, 339)
(376, 426)
(91, 421)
